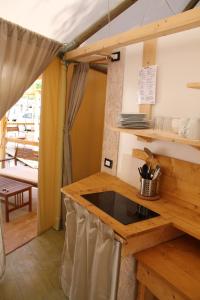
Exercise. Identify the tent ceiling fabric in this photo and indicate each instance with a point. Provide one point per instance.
(63, 20)
(141, 13)
(60, 20)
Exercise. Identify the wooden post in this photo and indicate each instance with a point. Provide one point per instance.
(6, 208)
(3, 125)
(30, 198)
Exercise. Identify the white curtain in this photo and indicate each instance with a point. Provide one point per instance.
(2, 252)
(24, 55)
(75, 99)
(91, 257)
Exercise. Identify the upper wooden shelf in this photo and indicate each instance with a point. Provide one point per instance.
(194, 85)
(151, 135)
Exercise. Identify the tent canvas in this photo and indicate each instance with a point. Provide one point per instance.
(64, 20)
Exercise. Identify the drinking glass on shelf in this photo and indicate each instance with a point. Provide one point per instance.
(175, 124)
(162, 123)
(158, 122)
(167, 124)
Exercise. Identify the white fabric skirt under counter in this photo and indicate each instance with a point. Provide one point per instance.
(92, 264)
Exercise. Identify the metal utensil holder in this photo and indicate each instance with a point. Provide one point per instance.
(149, 188)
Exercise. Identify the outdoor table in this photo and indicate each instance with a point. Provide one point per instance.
(10, 187)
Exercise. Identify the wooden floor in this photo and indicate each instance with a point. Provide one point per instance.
(22, 226)
(32, 271)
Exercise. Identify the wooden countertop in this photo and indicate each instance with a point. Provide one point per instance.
(176, 265)
(172, 211)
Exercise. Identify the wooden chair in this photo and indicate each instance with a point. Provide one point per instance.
(23, 172)
(22, 154)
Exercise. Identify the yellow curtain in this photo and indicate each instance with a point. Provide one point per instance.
(51, 145)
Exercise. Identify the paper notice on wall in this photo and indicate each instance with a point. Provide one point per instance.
(147, 85)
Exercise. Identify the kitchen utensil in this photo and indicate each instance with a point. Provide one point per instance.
(150, 173)
(145, 169)
(156, 172)
(151, 161)
(148, 151)
(140, 154)
(140, 171)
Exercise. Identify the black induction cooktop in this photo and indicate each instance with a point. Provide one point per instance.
(119, 207)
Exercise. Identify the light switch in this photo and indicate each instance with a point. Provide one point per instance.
(108, 163)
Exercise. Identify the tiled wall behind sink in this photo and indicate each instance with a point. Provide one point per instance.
(113, 107)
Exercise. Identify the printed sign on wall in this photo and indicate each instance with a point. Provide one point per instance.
(147, 85)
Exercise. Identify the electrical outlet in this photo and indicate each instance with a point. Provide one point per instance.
(115, 56)
(108, 163)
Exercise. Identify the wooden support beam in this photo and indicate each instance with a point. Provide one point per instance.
(149, 58)
(92, 58)
(149, 53)
(181, 22)
(194, 85)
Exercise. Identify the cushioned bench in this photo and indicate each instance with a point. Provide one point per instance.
(21, 173)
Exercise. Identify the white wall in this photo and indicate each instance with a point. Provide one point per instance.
(178, 60)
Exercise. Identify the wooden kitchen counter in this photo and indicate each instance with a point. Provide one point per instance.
(103, 182)
(175, 215)
(172, 211)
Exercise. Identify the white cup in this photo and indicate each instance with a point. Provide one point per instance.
(183, 127)
(193, 129)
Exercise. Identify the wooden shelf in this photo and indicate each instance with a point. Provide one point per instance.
(194, 85)
(151, 135)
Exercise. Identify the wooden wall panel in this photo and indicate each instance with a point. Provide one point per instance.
(87, 132)
(179, 179)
